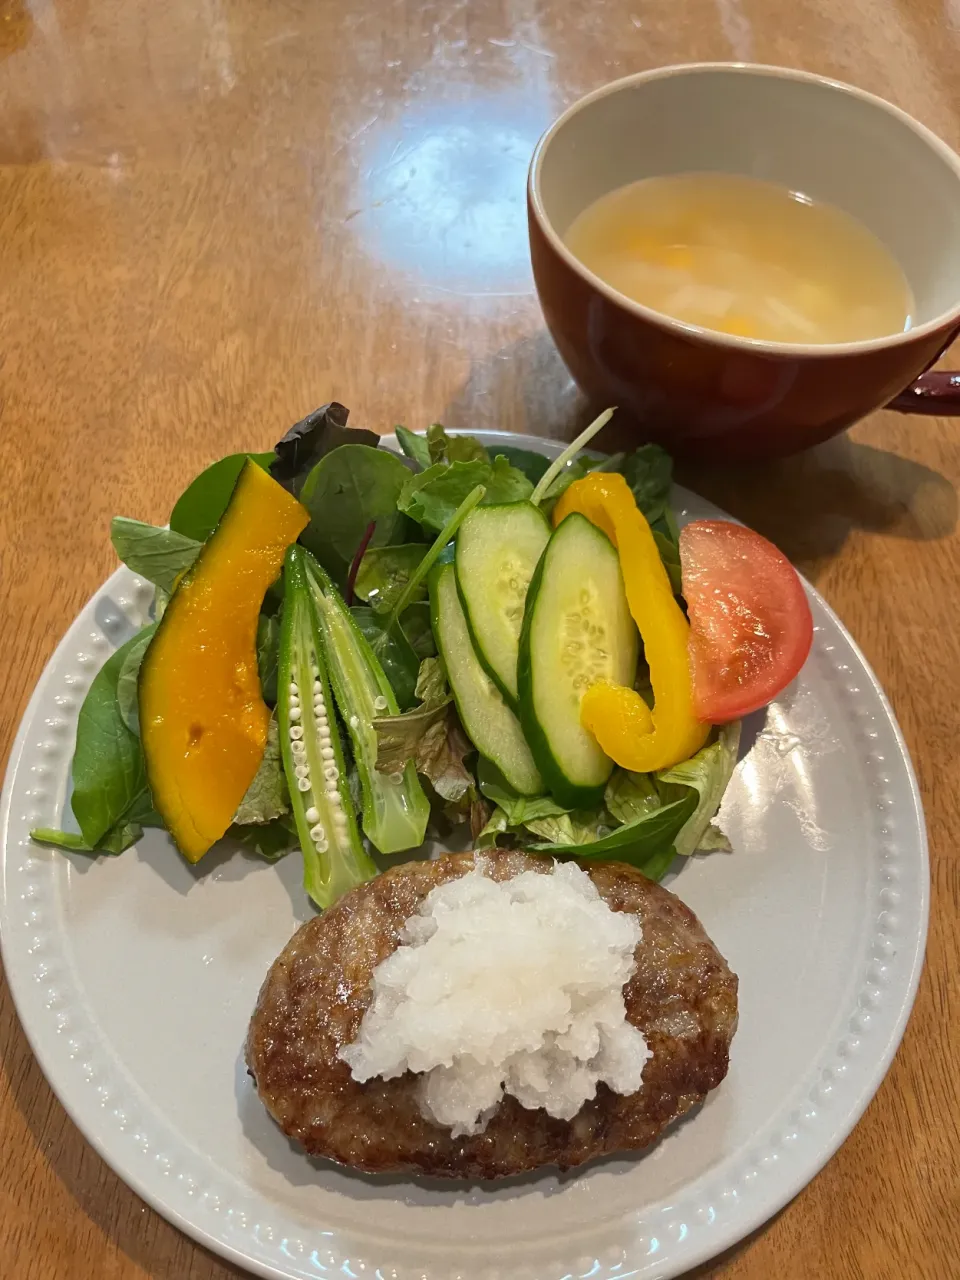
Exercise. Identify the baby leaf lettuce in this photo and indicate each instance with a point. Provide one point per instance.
(430, 735)
(432, 497)
(707, 775)
(307, 441)
(159, 555)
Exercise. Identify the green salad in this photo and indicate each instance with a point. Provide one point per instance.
(352, 651)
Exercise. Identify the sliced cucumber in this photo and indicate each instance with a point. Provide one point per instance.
(334, 859)
(498, 548)
(577, 629)
(395, 809)
(490, 724)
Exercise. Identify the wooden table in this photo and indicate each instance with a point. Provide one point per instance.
(215, 215)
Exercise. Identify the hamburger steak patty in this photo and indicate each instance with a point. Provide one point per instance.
(682, 996)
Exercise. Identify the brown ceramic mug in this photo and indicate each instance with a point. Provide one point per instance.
(706, 393)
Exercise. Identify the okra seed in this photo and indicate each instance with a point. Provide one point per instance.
(293, 689)
(380, 703)
(335, 800)
(326, 753)
(296, 731)
(331, 773)
(317, 688)
(317, 832)
(303, 784)
(319, 711)
(298, 748)
(321, 845)
(396, 777)
(323, 733)
(294, 713)
(302, 771)
(312, 815)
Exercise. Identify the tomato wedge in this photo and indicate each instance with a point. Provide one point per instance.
(750, 623)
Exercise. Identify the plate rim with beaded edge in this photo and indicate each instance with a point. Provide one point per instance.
(829, 882)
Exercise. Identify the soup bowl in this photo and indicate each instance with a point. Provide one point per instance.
(710, 394)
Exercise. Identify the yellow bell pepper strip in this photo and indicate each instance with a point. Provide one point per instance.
(618, 717)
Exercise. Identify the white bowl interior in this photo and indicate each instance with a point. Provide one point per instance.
(825, 140)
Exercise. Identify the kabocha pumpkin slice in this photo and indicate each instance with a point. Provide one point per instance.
(203, 721)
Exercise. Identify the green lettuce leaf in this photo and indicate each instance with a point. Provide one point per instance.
(432, 497)
(267, 797)
(707, 775)
(631, 796)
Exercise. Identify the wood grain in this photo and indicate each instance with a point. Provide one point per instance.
(214, 216)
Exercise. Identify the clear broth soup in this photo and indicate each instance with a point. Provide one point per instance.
(744, 257)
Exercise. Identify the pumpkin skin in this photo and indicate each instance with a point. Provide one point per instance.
(203, 720)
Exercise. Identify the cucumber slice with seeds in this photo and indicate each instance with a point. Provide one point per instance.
(334, 858)
(490, 724)
(498, 549)
(577, 629)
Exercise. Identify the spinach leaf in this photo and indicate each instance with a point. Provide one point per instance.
(649, 473)
(267, 796)
(414, 446)
(268, 650)
(117, 839)
(316, 435)
(61, 839)
(269, 840)
(516, 808)
(198, 510)
(416, 626)
(109, 777)
(348, 489)
(658, 864)
(394, 652)
(159, 555)
(385, 571)
(533, 465)
(127, 679)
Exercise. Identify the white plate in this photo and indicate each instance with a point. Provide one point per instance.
(135, 976)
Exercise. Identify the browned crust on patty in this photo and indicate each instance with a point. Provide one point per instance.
(682, 996)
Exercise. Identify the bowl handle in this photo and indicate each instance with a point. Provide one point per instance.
(936, 392)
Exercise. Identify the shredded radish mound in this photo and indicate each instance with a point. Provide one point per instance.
(515, 987)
